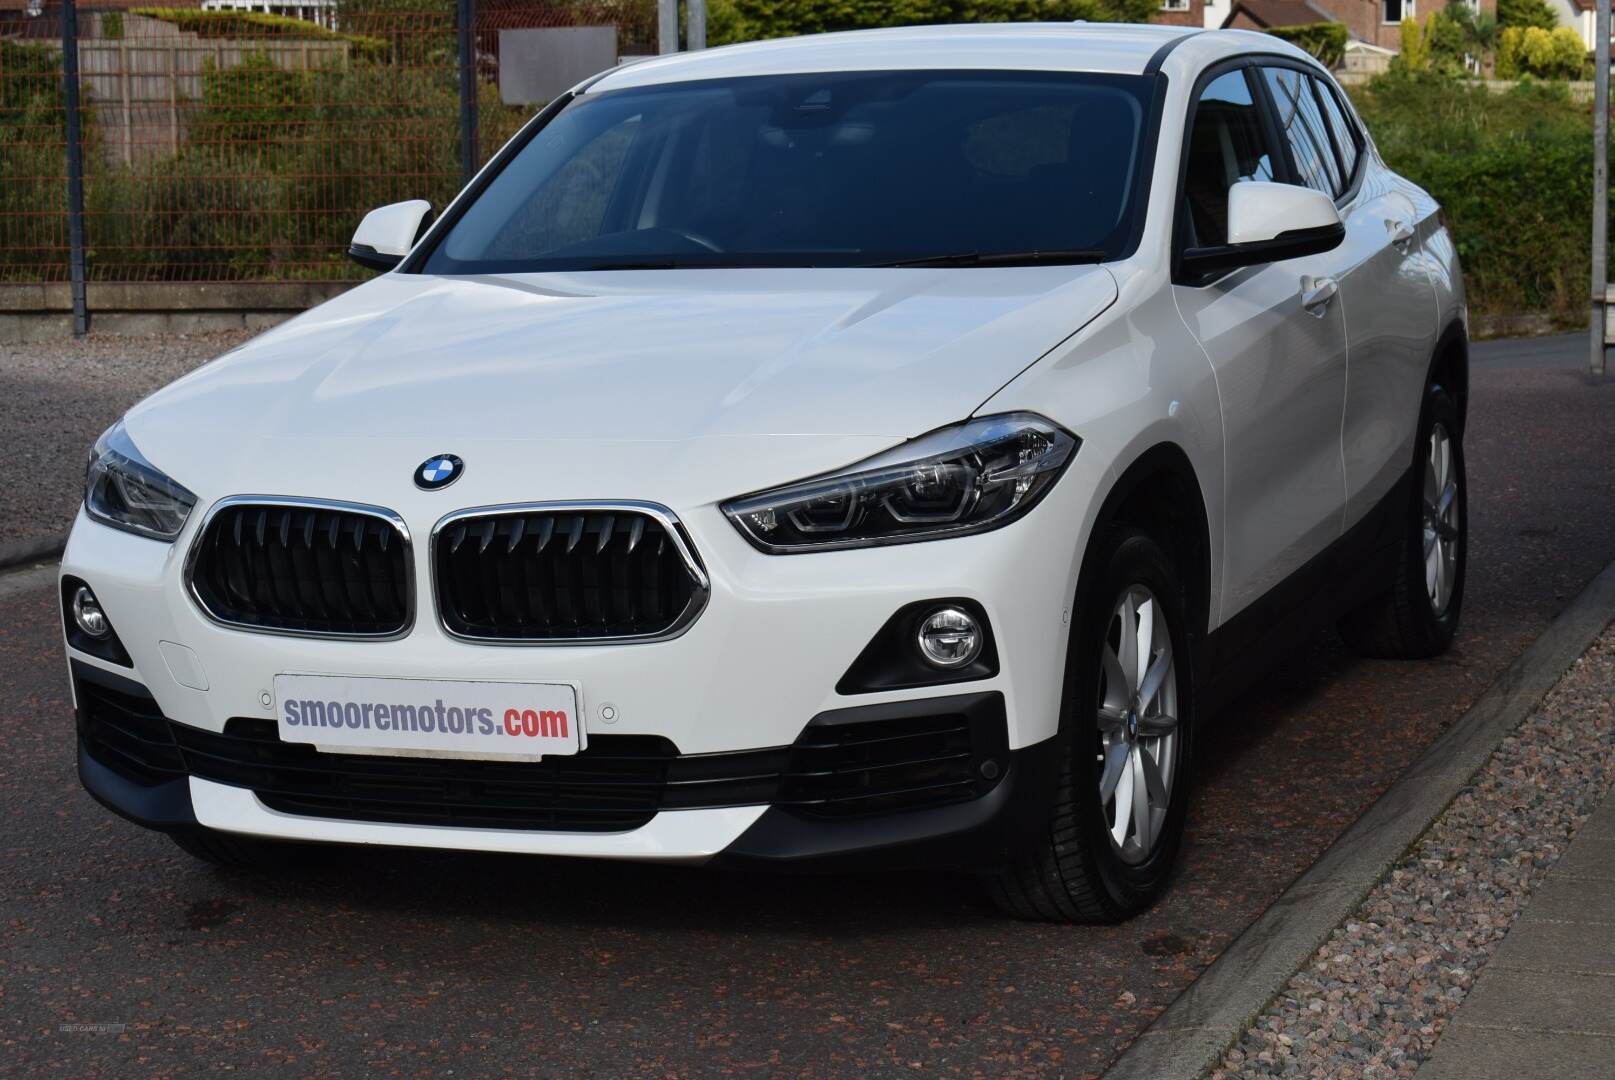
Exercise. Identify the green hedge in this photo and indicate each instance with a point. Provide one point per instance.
(33, 196)
(1513, 173)
(279, 166)
(251, 25)
(730, 21)
(1324, 40)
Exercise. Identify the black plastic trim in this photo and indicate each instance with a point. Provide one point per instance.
(1311, 599)
(977, 835)
(891, 660)
(1291, 244)
(109, 648)
(1157, 58)
(371, 259)
(166, 806)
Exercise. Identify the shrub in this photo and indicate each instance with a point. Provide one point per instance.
(729, 21)
(1324, 40)
(1543, 54)
(1414, 57)
(251, 24)
(1513, 173)
(33, 193)
(1525, 13)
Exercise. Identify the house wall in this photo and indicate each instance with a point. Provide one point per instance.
(1364, 19)
(1570, 14)
(1192, 15)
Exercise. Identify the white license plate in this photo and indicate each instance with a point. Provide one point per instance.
(429, 717)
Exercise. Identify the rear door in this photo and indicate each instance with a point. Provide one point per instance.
(1277, 343)
(1385, 294)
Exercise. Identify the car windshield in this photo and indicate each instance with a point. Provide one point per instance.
(839, 169)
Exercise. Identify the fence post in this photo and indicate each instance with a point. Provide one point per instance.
(667, 26)
(75, 164)
(128, 112)
(695, 24)
(173, 101)
(468, 90)
(1597, 331)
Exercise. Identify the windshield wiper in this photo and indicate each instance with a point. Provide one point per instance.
(1008, 258)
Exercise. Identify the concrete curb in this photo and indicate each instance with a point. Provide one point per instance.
(1191, 1036)
(20, 553)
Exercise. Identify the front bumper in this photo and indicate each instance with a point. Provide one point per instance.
(759, 666)
(795, 807)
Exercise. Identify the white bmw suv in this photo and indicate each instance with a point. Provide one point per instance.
(869, 450)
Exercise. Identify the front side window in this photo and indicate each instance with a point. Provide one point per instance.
(1226, 145)
(1394, 11)
(1302, 123)
(838, 169)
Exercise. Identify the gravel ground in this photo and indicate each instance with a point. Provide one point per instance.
(60, 395)
(1378, 992)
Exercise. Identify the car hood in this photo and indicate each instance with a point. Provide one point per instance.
(584, 372)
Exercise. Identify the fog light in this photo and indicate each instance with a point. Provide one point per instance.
(949, 638)
(88, 614)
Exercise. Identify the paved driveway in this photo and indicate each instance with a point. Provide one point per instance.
(119, 955)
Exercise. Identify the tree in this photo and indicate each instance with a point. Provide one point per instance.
(1526, 13)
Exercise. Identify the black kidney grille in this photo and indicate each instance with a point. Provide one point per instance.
(563, 575)
(304, 568)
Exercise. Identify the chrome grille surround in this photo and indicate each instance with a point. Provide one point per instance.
(399, 530)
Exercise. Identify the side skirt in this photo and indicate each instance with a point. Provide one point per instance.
(1349, 571)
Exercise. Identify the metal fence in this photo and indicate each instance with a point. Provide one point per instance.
(231, 145)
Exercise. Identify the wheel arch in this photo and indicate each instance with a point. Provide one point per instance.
(1159, 493)
(1449, 367)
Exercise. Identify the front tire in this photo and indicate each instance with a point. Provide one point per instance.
(1417, 615)
(1117, 821)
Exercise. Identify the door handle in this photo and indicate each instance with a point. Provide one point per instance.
(1316, 292)
(1401, 234)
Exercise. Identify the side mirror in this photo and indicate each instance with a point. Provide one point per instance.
(1269, 223)
(387, 233)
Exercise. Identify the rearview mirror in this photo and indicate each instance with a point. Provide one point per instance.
(387, 233)
(1269, 223)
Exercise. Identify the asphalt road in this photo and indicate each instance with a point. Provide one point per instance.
(119, 955)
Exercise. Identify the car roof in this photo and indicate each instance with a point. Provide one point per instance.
(1113, 48)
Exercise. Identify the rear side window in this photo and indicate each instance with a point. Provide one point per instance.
(1306, 131)
(1344, 131)
(1226, 145)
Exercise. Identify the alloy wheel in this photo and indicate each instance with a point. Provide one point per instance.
(1441, 535)
(1138, 724)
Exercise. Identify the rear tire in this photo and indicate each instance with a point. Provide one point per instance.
(1417, 615)
(230, 852)
(1126, 730)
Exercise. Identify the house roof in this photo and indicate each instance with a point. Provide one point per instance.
(1270, 13)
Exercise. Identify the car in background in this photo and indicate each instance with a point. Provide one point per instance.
(871, 450)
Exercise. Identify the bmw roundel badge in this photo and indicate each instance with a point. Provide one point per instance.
(438, 471)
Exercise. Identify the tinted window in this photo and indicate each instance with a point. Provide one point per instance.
(1303, 126)
(1344, 131)
(815, 170)
(1226, 145)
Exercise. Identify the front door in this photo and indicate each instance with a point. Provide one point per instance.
(1276, 340)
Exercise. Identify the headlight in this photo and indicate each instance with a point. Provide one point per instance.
(969, 478)
(123, 490)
